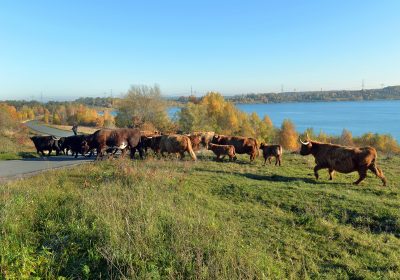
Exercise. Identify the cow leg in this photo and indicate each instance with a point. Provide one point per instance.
(378, 172)
(265, 160)
(280, 160)
(331, 171)
(182, 155)
(133, 151)
(141, 153)
(363, 174)
(276, 161)
(316, 168)
(99, 153)
(49, 152)
(269, 160)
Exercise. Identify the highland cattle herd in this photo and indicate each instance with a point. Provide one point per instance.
(107, 142)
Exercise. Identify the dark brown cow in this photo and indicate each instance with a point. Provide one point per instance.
(152, 142)
(121, 138)
(272, 151)
(224, 150)
(175, 143)
(342, 159)
(243, 145)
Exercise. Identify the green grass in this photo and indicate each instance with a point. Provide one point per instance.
(11, 149)
(174, 219)
(18, 155)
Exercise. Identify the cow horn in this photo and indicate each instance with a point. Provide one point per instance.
(304, 143)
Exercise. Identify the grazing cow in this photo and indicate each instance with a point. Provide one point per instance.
(46, 143)
(224, 150)
(342, 159)
(243, 145)
(121, 138)
(74, 143)
(175, 143)
(272, 151)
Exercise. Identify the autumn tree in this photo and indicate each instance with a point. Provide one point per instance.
(288, 135)
(46, 116)
(56, 118)
(143, 104)
(346, 138)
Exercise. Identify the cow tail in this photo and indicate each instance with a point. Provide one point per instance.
(190, 150)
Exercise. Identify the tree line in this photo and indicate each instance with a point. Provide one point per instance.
(144, 107)
(387, 93)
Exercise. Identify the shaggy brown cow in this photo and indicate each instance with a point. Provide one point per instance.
(243, 145)
(342, 159)
(195, 139)
(206, 137)
(175, 143)
(224, 150)
(122, 138)
(272, 151)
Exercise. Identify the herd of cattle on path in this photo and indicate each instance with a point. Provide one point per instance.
(109, 141)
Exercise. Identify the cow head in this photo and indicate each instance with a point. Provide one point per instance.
(262, 145)
(216, 139)
(305, 147)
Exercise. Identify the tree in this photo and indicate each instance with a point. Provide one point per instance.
(346, 138)
(46, 116)
(143, 104)
(288, 135)
(56, 118)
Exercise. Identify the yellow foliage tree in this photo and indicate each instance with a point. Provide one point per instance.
(288, 136)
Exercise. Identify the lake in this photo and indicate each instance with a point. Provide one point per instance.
(359, 117)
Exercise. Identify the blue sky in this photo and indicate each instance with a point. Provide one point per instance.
(90, 48)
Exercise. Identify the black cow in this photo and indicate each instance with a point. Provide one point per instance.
(46, 143)
(73, 144)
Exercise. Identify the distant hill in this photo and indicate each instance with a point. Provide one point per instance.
(387, 93)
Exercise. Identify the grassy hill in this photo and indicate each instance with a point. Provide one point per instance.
(181, 219)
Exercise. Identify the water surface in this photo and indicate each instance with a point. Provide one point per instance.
(332, 117)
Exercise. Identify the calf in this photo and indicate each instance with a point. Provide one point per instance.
(223, 150)
(272, 151)
(243, 145)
